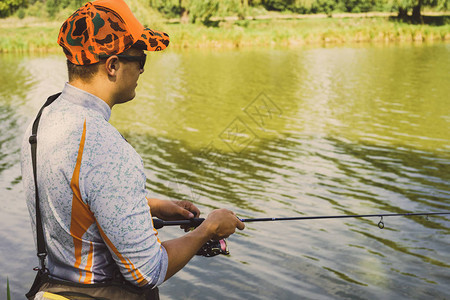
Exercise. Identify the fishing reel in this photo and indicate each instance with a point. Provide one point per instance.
(212, 248)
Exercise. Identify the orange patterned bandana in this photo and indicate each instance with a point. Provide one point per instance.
(106, 27)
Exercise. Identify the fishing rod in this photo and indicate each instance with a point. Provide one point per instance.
(195, 222)
(213, 248)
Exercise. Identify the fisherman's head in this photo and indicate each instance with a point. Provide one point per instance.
(103, 31)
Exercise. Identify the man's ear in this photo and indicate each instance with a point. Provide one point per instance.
(112, 65)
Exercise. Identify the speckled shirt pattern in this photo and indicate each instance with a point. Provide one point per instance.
(92, 193)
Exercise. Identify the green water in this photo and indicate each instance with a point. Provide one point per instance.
(275, 133)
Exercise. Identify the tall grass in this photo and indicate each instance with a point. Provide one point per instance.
(41, 37)
(8, 292)
(303, 32)
(29, 34)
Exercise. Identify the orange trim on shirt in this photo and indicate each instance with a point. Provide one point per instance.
(82, 217)
(125, 261)
(151, 218)
(88, 268)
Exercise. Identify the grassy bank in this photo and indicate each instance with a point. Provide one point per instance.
(38, 36)
(34, 38)
(268, 33)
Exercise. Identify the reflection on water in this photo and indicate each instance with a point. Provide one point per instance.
(278, 133)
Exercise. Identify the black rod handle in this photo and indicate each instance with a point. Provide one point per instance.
(195, 222)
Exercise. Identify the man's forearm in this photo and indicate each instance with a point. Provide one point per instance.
(172, 210)
(154, 206)
(219, 224)
(181, 250)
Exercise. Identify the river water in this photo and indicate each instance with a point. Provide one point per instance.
(274, 133)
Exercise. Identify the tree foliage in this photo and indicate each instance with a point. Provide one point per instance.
(7, 7)
(200, 10)
(415, 6)
(203, 10)
(51, 7)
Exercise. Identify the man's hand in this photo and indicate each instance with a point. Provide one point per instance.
(173, 210)
(221, 223)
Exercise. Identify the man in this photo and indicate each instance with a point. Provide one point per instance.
(96, 216)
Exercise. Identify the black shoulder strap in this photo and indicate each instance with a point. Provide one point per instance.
(41, 249)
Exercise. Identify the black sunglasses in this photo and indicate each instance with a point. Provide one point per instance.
(141, 58)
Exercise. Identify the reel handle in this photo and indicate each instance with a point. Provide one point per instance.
(213, 248)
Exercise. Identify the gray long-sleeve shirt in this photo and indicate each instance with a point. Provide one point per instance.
(93, 199)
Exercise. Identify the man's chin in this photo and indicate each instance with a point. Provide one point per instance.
(125, 100)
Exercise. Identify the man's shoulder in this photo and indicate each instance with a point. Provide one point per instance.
(105, 140)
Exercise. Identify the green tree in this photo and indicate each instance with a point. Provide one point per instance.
(169, 8)
(415, 6)
(52, 7)
(278, 5)
(324, 6)
(7, 7)
(357, 6)
(233, 7)
(202, 10)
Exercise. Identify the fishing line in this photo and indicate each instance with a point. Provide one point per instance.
(158, 223)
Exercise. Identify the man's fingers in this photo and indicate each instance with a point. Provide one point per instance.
(240, 225)
(193, 211)
(186, 213)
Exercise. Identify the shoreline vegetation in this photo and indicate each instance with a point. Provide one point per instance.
(32, 34)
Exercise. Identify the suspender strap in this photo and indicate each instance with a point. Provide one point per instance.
(41, 249)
